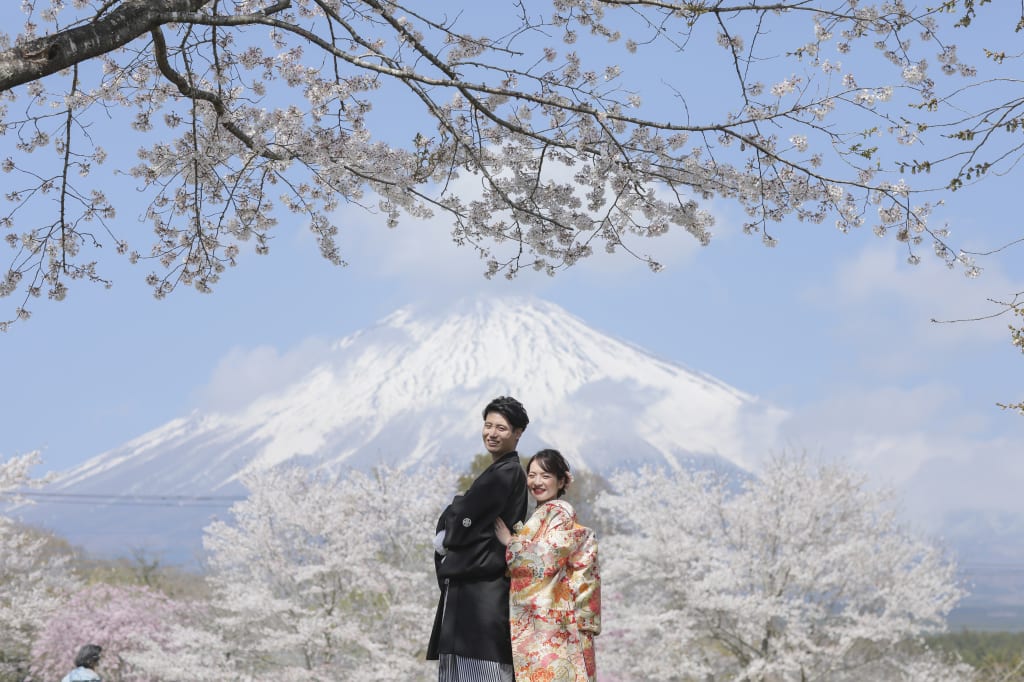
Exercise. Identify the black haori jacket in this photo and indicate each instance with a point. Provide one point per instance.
(472, 613)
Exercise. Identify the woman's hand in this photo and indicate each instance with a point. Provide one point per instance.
(502, 532)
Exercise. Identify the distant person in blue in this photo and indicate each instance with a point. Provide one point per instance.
(471, 640)
(85, 665)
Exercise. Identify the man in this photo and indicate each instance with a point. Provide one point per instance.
(471, 639)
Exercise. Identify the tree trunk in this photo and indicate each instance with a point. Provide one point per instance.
(34, 59)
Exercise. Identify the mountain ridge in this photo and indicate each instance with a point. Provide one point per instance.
(407, 391)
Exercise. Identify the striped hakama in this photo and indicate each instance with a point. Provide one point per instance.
(455, 668)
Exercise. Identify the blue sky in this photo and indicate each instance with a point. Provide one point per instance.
(834, 328)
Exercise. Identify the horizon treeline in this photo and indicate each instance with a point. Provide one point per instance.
(802, 572)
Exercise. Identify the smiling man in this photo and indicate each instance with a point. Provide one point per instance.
(471, 639)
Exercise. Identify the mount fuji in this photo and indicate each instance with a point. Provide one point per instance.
(408, 392)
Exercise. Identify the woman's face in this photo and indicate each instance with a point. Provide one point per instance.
(543, 485)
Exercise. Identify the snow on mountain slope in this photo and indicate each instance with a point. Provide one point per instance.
(409, 390)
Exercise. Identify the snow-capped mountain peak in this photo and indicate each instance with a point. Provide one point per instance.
(408, 391)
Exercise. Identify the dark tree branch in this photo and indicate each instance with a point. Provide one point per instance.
(47, 55)
(194, 93)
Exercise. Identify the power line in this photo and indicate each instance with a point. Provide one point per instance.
(140, 496)
(135, 500)
(139, 503)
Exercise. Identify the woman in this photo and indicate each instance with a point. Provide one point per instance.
(85, 665)
(555, 598)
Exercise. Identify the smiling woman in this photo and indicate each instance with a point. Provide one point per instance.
(555, 597)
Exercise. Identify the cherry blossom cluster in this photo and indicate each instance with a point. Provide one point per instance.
(35, 581)
(800, 571)
(246, 112)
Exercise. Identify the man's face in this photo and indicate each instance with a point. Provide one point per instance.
(499, 436)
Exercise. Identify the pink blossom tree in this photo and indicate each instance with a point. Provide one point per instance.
(123, 619)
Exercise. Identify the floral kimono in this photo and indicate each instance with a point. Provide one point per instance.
(555, 598)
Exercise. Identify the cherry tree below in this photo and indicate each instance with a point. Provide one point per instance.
(317, 574)
(35, 580)
(802, 572)
(121, 619)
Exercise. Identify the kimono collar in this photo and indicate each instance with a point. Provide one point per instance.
(507, 455)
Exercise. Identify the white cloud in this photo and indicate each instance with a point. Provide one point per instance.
(880, 311)
(422, 251)
(981, 475)
(921, 441)
(880, 282)
(244, 374)
(877, 429)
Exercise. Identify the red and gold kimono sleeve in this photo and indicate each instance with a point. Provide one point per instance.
(585, 582)
(555, 597)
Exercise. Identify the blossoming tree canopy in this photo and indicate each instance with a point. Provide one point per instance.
(34, 580)
(120, 618)
(803, 571)
(542, 130)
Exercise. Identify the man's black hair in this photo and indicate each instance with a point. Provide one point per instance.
(509, 408)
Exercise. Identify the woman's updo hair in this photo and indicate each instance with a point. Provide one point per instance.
(88, 656)
(552, 462)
